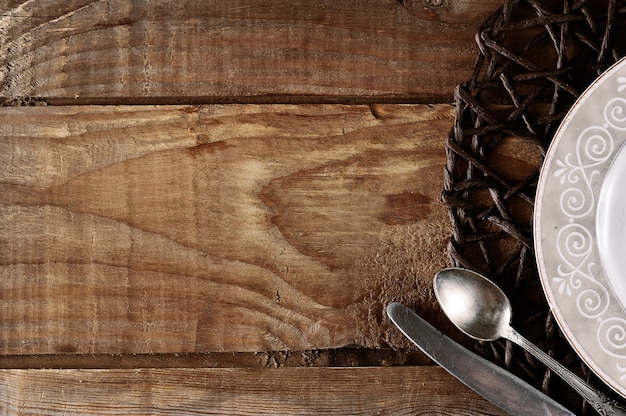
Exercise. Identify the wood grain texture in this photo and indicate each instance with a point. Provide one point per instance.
(233, 50)
(301, 391)
(217, 228)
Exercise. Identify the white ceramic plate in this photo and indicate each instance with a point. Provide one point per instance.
(580, 227)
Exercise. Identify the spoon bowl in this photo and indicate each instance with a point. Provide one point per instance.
(481, 310)
(474, 304)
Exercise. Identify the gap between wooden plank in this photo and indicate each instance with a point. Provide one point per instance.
(341, 357)
(259, 99)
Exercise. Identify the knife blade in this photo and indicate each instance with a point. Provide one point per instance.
(500, 387)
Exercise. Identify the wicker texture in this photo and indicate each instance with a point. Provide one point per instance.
(536, 58)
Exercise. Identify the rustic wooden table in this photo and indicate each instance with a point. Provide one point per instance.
(206, 205)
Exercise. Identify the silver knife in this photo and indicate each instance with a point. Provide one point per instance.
(495, 384)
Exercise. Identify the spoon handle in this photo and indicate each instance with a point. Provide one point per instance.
(599, 401)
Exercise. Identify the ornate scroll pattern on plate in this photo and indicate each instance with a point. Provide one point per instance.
(615, 112)
(612, 338)
(576, 275)
(578, 171)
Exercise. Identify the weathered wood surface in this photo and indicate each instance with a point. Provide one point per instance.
(217, 228)
(311, 391)
(224, 236)
(96, 51)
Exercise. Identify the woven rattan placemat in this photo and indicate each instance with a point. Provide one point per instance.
(536, 58)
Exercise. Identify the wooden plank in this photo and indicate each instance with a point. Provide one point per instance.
(311, 391)
(233, 50)
(217, 228)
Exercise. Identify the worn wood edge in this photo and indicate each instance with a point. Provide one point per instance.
(407, 390)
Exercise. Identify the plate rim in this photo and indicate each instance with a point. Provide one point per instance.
(547, 279)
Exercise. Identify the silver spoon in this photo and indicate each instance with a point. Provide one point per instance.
(480, 309)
